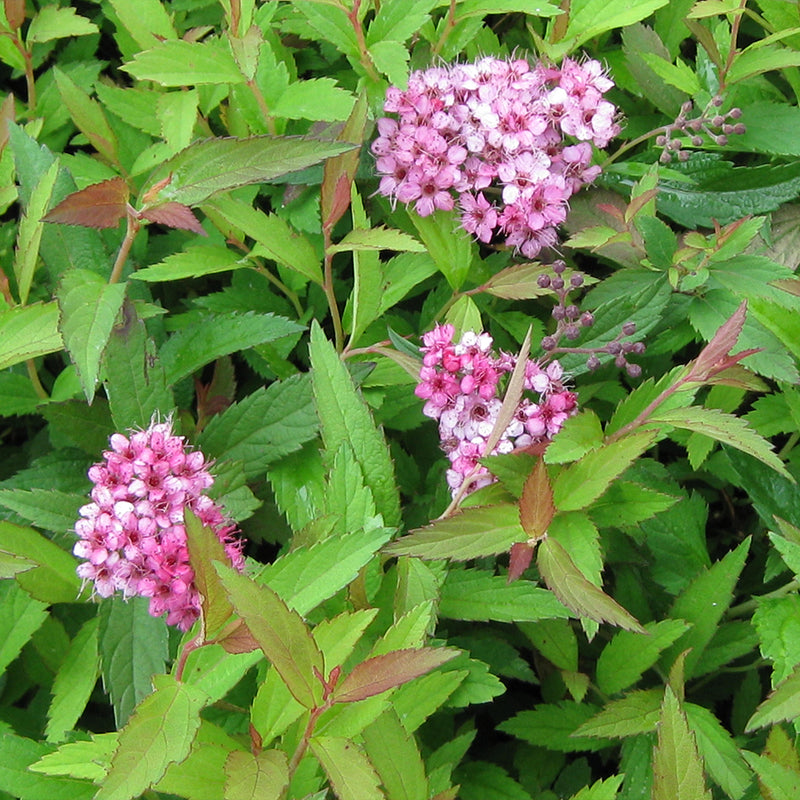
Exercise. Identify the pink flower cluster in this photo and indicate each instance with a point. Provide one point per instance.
(459, 382)
(496, 126)
(132, 534)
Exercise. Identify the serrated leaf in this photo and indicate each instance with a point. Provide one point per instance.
(379, 238)
(635, 714)
(315, 99)
(471, 533)
(703, 602)
(351, 775)
(51, 22)
(782, 783)
(147, 21)
(782, 704)
(578, 436)
(678, 75)
(570, 586)
(159, 733)
(53, 580)
(724, 428)
(451, 250)
(22, 617)
(100, 205)
(536, 509)
(477, 595)
(281, 634)
(87, 759)
(204, 548)
(136, 386)
(213, 336)
(28, 332)
(174, 215)
(344, 415)
(218, 165)
(133, 648)
(177, 62)
(263, 776)
(264, 426)
(50, 509)
(192, 263)
(590, 18)
(89, 308)
(383, 672)
(395, 756)
(74, 682)
(678, 770)
(553, 725)
(626, 504)
(628, 655)
(581, 483)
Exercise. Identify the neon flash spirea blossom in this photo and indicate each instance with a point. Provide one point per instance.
(459, 382)
(518, 134)
(132, 534)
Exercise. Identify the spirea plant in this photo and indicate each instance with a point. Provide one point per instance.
(399, 400)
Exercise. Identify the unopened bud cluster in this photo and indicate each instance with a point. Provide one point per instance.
(459, 382)
(570, 321)
(507, 142)
(718, 127)
(132, 534)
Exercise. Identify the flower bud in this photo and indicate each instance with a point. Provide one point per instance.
(629, 328)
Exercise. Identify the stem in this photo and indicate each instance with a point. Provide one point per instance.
(363, 50)
(125, 247)
(744, 609)
(188, 648)
(263, 107)
(34, 376)
(279, 284)
(329, 293)
(449, 24)
(735, 25)
(302, 746)
(632, 143)
(789, 446)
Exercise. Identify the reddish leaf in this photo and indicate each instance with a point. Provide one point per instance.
(101, 205)
(536, 509)
(15, 13)
(174, 215)
(714, 356)
(239, 639)
(381, 673)
(520, 560)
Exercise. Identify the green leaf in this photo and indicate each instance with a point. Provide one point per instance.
(724, 428)
(721, 756)
(22, 617)
(281, 634)
(17, 395)
(632, 715)
(89, 306)
(347, 498)
(679, 75)
(218, 165)
(464, 315)
(678, 770)
(578, 436)
(703, 603)
(555, 640)
(29, 232)
(590, 18)
(782, 783)
(484, 780)
(51, 22)
(450, 248)
(28, 332)
(754, 60)
(315, 99)
(159, 733)
(192, 263)
(264, 426)
(628, 655)
(351, 775)
(379, 238)
(307, 576)
(395, 756)
(53, 580)
(768, 129)
(581, 483)
(474, 594)
(177, 62)
(625, 504)
(82, 759)
(782, 704)
(389, 670)
(263, 776)
(480, 8)
(212, 336)
(274, 238)
(777, 622)
(74, 682)
(570, 586)
(660, 241)
(344, 416)
(147, 21)
(471, 533)
(135, 382)
(601, 790)
(133, 648)
(553, 726)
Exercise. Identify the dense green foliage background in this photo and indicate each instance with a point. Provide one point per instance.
(263, 293)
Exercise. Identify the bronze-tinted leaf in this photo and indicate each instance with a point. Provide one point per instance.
(536, 508)
(519, 560)
(174, 215)
(101, 205)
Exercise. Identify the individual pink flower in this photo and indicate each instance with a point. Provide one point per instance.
(132, 534)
